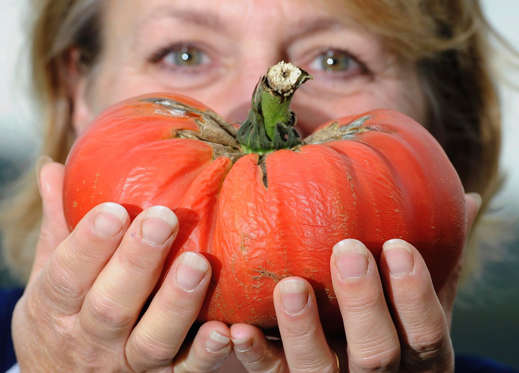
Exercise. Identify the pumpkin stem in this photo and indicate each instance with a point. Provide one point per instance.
(270, 124)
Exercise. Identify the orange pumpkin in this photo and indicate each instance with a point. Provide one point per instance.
(260, 214)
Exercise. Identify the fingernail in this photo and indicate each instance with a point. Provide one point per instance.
(294, 295)
(476, 197)
(351, 258)
(216, 342)
(109, 220)
(242, 345)
(191, 270)
(399, 257)
(158, 224)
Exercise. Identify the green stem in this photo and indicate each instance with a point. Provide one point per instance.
(270, 124)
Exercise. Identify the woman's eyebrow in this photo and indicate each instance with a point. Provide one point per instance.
(309, 26)
(201, 18)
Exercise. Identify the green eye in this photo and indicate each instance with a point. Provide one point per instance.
(186, 56)
(334, 61)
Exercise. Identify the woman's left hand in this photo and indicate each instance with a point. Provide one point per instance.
(393, 319)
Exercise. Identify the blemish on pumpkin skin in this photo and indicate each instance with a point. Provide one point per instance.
(212, 129)
(238, 281)
(96, 180)
(264, 273)
(243, 248)
(94, 187)
(171, 112)
(262, 164)
(354, 196)
(338, 131)
(169, 107)
(232, 264)
(310, 272)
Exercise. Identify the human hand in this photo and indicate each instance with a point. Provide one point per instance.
(82, 307)
(393, 319)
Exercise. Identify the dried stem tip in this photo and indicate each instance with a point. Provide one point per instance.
(283, 78)
(271, 124)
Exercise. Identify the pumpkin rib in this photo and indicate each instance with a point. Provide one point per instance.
(361, 155)
(422, 198)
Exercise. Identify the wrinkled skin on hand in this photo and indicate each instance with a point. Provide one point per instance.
(81, 310)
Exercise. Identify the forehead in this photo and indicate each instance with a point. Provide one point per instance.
(221, 15)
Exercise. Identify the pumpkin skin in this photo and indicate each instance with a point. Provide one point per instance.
(258, 219)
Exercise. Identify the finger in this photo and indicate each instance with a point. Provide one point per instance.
(473, 205)
(118, 294)
(207, 353)
(255, 353)
(53, 228)
(157, 337)
(447, 293)
(418, 313)
(372, 338)
(303, 338)
(71, 270)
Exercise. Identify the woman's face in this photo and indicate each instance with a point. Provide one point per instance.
(216, 50)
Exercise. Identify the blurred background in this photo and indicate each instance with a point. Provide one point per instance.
(486, 319)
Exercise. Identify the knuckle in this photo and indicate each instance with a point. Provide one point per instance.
(61, 283)
(203, 363)
(264, 361)
(256, 362)
(321, 366)
(33, 310)
(92, 356)
(88, 355)
(426, 346)
(109, 314)
(328, 368)
(151, 351)
(386, 360)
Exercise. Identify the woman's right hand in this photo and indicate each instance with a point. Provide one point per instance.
(81, 310)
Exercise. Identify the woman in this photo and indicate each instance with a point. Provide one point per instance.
(82, 300)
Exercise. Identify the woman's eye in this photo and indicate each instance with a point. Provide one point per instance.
(182, 56)
(185, 65)
(335, 61)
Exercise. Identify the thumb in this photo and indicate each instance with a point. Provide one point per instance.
(53, 228)
(473, 204)
(447, 294)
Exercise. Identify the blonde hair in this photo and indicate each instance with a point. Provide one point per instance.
(58, 25)
(446, 40)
